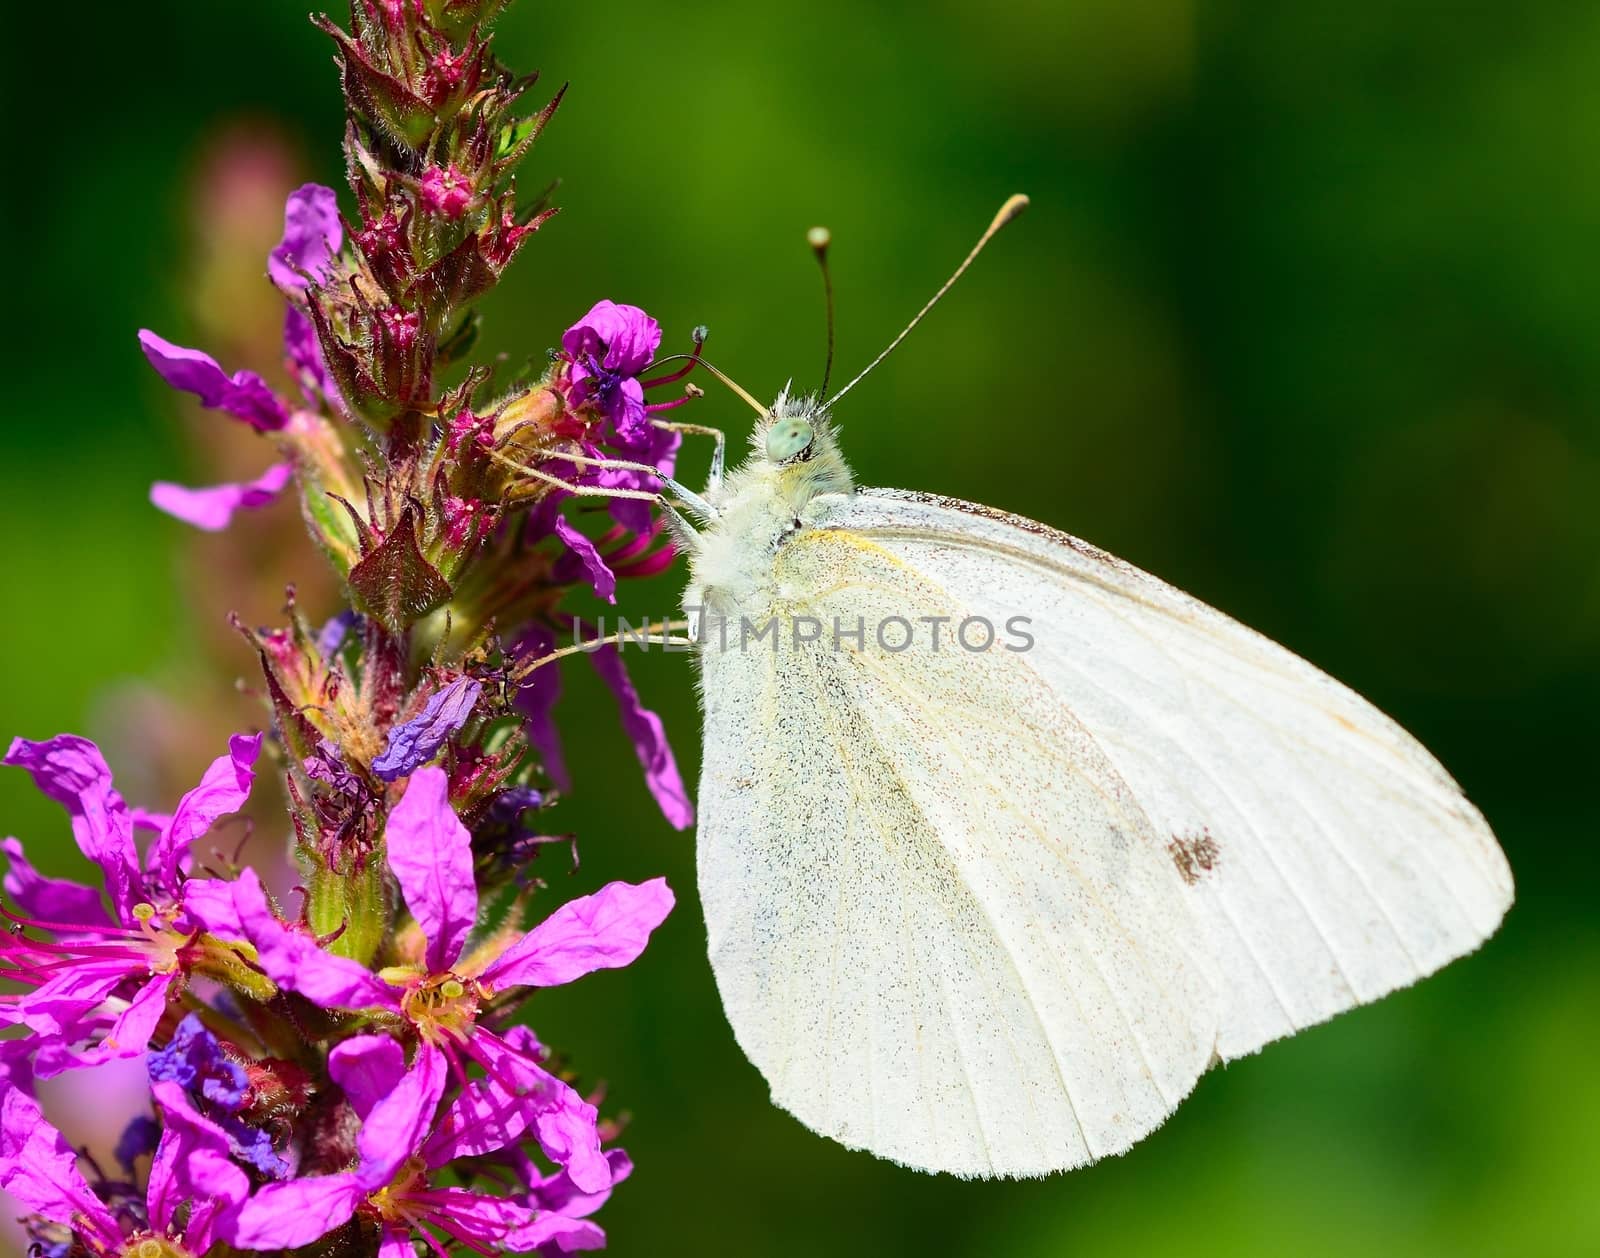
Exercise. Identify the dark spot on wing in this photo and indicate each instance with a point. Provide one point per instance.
(1195, 855)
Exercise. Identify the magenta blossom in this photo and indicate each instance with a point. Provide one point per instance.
(446, 192)
(607, 350)
(609, 347)
(107, 976)
(212, 508)
(441, 995)
(244, 395)
(192, 1193)
(312, 236)
(644, 729)
(403, 1142)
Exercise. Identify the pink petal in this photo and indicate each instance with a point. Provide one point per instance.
(368, 1068)
(396, 1126)
(624, 338)
(55, 1007)
(557, 1192)
(223, 789)
(491, 1114)
(293, 960)
(312, 235)
(295, 1212)
(430, 852)
(208, 903)
(71, 771)
(211, 508)
(396, 1243)
(193, 1165)
(304, 352)
(130, 1033)
(649, 739)
(568, 1137)
(40, 1170)
(146, 819)
(50, 899)
(244, 395)
(588, 556)
(602, 931)
(555, 1231)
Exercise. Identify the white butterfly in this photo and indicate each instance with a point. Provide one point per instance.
(993, 912)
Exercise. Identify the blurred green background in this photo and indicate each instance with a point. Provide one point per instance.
(1305, 318)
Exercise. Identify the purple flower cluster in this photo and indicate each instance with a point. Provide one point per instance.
(418, 1112)
(343, 1071)
(603, 356)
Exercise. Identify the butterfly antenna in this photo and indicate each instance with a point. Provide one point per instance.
(819, 238)
(1014, 205)
(718, 373)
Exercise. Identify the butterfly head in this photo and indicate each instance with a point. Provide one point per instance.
(789, 431)
(796, 439)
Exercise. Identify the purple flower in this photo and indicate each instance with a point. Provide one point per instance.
(212, 507)
(193, 1059)
(107, 978)
(557, 1195)
(588, 558)
(413, 743)
(312, 237)
(403, 1142)
(332, 635)
(609, 347)
(304, 352)
(642, 726)
(536, 702)
(195, 1062)
(430, 855)
(191, 1175)
(244, 395)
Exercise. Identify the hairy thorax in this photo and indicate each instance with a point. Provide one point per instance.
(761, 506)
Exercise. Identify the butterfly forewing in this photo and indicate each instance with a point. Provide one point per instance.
(1328, 857)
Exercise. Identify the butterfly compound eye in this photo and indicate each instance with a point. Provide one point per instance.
(789, 440)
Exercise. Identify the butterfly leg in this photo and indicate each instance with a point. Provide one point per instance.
(694, 502)
(683, 532)
(659, 634)
(719, 453)
(577, 491)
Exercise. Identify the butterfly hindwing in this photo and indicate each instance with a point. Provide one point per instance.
(941, 924)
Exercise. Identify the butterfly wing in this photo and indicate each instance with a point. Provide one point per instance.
(942, 925)
(1328, 858)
